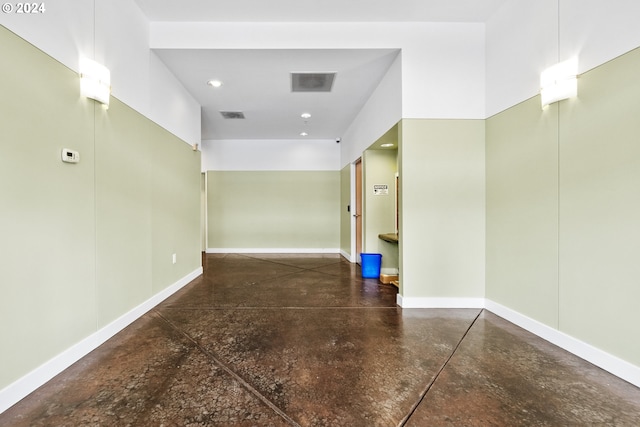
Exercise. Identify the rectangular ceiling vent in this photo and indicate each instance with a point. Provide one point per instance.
(312, 82)
(232, 114)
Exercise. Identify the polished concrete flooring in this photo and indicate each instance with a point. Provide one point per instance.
(288, 340)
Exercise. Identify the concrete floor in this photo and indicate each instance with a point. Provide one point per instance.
(287, 340)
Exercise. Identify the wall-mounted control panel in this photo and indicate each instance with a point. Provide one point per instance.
(70, 156)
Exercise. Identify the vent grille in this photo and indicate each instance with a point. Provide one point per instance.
(232, 114)
(312, 82)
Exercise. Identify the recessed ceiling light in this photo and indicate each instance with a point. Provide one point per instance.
(386, 145)
(214, 83)
(305, 115)
(303, 134)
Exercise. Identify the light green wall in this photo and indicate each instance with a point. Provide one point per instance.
(175, 208)
(563, 207)
(123, 211)
(203, 212)
(345, 211)
(47, 214)
(442, 227)
(379, 167)
(600, 209)
(82, 243)
(146, 209)
(522, 210)
(273, 209)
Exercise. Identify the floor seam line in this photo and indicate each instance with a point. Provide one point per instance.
(293, 266)
(413, 409)
(229, 371)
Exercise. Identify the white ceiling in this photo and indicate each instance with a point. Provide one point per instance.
(257, 82)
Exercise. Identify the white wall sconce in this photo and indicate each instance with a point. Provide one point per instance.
(559, 82)
(95, 81)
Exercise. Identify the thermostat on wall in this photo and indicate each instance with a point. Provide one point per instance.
(70, 156)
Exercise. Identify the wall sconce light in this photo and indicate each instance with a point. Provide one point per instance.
(559, 82)
(95, 81)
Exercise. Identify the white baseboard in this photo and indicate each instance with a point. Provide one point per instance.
(19, 389)
(390, 271)
(600, 358)
(273, 250)
(347, 256)
(439, 302)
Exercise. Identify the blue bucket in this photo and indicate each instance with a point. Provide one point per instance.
(370, 265)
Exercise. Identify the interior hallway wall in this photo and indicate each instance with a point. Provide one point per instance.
(379, 168)
(442, 225)
(559, 195)
(82, 243)
(47, 220)
(599, 208)
(272, 195)
(346, 212)
(273, 211)
(522, 210)
(562, 209)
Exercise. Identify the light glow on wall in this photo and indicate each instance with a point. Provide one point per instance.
(95, 81)
(559, 82)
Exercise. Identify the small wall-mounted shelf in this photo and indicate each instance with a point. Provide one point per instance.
(389, 237)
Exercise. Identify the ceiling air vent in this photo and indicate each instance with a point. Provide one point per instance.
(232, 114)
(312, 82)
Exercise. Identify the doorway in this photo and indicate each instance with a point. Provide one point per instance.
(358, 208)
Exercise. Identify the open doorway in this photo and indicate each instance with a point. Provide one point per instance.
(377, 188)
(357, 214)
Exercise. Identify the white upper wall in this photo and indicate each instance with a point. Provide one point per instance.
(442, 63)
(64, 30)
(116, 35)
(170, 105)
(521, 39)
(598, 31)
(378, 115)
(122, 45)
(270, 155)
(525, 37)
(443, 71)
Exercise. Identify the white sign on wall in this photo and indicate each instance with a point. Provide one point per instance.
(380, 190)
